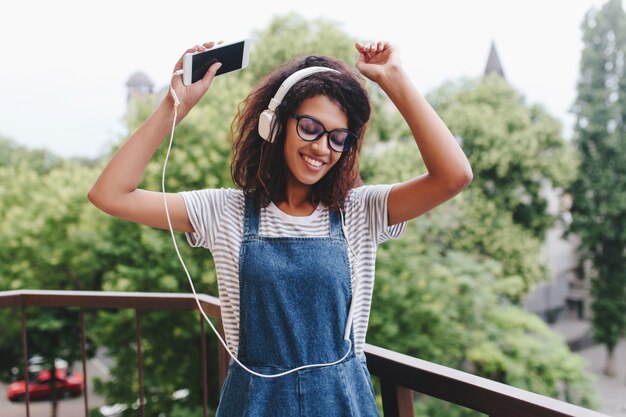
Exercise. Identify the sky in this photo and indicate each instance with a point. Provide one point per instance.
(65, 63)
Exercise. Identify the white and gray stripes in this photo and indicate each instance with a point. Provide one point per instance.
(217, 218)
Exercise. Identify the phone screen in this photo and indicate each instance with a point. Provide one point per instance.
(230, 56)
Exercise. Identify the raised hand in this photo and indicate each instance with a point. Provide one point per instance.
(190, 95)
(377, 59)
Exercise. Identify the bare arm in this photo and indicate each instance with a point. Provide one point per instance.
(115, 191)
(449, 171)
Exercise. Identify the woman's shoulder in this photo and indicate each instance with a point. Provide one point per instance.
(215, 199)
(217, 193)
(363, 193)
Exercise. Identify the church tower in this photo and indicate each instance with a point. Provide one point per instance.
(493, 62)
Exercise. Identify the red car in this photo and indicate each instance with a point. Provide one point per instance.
(39, 386)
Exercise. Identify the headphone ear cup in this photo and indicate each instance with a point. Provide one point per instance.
(266, 122)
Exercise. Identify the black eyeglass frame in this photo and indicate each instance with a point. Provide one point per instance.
(349, 142)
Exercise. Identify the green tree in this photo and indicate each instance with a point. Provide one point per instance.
(599, 192)
(444, 305)
(47, 219)
(514, 148)
(11, 154)
(517, 153)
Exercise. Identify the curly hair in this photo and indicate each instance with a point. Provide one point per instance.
(259, 167)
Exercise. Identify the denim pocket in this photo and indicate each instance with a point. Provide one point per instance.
(234, 393)
(367, 376)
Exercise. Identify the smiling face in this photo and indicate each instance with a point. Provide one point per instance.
(308, 162)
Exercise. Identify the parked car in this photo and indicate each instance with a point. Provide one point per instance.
(39, 386)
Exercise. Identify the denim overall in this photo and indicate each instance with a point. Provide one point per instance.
(295, 294)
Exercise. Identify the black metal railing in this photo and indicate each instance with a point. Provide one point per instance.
(399, 375)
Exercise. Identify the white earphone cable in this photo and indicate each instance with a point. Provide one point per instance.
(180, 258)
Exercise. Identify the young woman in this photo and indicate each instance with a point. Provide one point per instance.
(294, 247)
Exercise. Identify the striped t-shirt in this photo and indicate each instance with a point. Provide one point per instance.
(217, 218)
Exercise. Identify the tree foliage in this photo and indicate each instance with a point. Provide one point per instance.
(517, 155)
(46, 228)
(514, 148)
(599, 192)
(443, 304)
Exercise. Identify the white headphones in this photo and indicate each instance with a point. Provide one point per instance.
(268, 117)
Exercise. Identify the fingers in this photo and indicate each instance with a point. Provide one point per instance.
(201, 48)
(210, 74)
(372, 48)
(211, 44)
(197, 48)
(206, 45)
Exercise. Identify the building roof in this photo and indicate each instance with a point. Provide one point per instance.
(139, 79)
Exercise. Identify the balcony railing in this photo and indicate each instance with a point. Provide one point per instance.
(399, 375)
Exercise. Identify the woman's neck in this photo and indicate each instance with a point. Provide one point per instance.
(297, 200)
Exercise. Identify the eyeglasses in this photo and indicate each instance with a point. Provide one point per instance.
(310, 129)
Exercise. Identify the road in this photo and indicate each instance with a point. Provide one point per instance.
(611, 390)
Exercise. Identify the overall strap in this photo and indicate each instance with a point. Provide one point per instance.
(251, 220)
(336, 231)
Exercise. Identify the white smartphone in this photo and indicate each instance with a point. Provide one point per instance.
(233, 56)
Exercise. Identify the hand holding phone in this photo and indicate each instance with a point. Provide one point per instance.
(233, 56)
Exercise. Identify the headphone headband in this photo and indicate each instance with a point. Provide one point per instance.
(268, 117)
